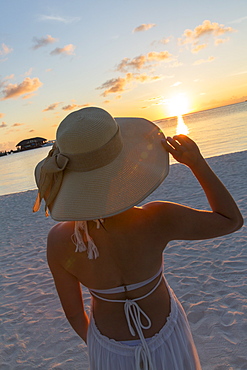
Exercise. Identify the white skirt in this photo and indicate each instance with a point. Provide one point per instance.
(172, 348)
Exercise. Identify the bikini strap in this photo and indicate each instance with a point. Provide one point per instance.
(127, 288)
(134, 317)
(124, 300)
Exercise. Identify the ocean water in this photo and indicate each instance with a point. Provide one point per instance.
(217, 131)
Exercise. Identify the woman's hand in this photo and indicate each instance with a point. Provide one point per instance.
(183, 150)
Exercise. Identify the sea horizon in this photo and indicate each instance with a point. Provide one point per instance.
(211, 129)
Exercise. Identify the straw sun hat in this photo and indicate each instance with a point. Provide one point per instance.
(100, 166)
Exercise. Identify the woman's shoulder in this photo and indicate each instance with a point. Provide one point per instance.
(158, 208)
(59, 238)
(61, 230)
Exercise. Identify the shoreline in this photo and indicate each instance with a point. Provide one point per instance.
(208, 277)
(172, 162)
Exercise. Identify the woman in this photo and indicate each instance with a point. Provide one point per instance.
(92, 180)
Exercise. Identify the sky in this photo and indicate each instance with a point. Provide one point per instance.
(141, 58)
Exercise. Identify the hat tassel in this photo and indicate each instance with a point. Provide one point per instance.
(81, 246)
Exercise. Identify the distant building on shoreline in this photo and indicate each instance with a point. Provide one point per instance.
(35, 142)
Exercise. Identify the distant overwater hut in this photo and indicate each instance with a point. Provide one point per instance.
(35, 142)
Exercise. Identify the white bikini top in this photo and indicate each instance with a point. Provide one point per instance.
(126, 288)
(134, 315)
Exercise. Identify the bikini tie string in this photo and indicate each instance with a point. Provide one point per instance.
(133, 313)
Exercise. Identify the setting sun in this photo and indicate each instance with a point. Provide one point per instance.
(178, 105)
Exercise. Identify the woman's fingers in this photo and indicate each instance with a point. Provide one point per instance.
(182, 148)
(173, 147)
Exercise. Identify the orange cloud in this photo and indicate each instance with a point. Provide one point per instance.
(197, 48)
(66, 50)
(201, 61)
(73, 106)
(29, 85)
(17, 124)
(28, 96)
(51, 107)
(3, 124)
(165, 41)
(205, 29)
(136, 63)
(1, 115)
(144, 27)
(163, 55)
(118, 85)
(141, 61)
(220, 41)
(43, 41)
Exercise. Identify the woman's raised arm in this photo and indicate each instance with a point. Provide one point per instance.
(193, 224)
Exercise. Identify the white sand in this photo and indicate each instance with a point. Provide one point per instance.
(209, 277)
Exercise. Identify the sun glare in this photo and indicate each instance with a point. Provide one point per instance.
(178, 105)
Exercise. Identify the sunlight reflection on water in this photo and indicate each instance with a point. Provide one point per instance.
(181, 126)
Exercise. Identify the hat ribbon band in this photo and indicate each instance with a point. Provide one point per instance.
(97, 158)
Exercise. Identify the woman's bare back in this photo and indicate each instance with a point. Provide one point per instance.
(129, 252)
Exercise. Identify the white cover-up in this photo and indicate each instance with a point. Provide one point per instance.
(172, 348)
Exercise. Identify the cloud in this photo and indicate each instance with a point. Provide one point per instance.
(144, 27)
(66, 50)
(197, 48)
(57, 18)
(31, 130)
(239, 20)
(135, 63)
(3, 124)
(118, 85)
(9, 77)
(5, 80)
(165, 41)
(73, 106)
(1, 115)
(201, 61)
(239, 73)
(163, 55)
(29, 72)
(28, 96)
(142, 60)
(51, 107)
(29, 85)
(43, 41)
(205, 29)
(220, 41)
(17, 124)
(5, 50)
(176, 84)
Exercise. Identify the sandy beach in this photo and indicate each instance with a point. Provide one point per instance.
(209, 278)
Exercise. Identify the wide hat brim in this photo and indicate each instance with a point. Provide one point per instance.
(137, 171)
